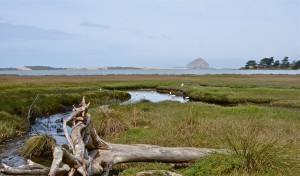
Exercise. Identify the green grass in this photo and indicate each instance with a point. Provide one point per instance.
(265, 140)
(228, 95)
(48, 102)
(216, 164)
(132, 169)
(11, 125)
(136, 85)
(53, 98)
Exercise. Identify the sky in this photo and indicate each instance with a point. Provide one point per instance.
(153, 33)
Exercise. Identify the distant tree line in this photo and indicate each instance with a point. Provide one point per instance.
(270, 63)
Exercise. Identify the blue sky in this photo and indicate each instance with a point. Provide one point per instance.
(164, 33)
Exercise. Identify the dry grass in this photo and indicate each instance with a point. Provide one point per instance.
(108, 122)
(39, 146)
(266, 140)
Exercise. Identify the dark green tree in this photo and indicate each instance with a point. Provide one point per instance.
(296, 65)
(251, 64)
(276, 64)
(285, 63)
(266, 62)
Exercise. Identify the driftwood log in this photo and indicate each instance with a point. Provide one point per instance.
(90, 155)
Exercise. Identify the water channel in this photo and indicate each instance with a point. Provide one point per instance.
(52, 125)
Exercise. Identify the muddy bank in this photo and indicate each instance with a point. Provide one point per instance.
(12, 146)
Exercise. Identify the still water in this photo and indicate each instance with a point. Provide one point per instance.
(52, 125)
(153, 96)
(147, 72)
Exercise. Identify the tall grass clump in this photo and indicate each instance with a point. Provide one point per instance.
(254, 152)
(262, 152)
(11, 125)
(39, 146)
(109, 122)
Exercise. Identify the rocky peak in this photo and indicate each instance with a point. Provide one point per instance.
(198, 64)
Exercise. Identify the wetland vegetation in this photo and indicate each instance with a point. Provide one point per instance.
(256, 116)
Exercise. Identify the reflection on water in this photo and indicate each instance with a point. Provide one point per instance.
(153, 96)
(52, 125)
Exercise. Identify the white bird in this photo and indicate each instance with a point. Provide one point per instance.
(187, 97)
(182, 84)
(173, 96)
(170, 93)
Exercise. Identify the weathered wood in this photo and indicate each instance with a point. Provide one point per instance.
(57, 159)
(156, 172)
(27, 170)
(90, 155)
(120, 153)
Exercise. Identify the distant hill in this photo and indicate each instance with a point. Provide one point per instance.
(74, 68)
(8, 68)
(43, 68)
(33, 68)
(198, 64)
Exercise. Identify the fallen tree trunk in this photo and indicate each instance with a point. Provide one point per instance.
(120, 153)
(90, 155)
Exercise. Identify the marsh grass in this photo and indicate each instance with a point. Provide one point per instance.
(265, 141)
(263, 152)
(216, 164)
(258, 95)
(132, 169)
(109, 122)
(255, 152)
(11, 125)
(50, 103)
(135, 85)
(39, 146)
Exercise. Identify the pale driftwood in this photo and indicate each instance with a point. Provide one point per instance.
(120, 153)
(90, 155)
(155, 172)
